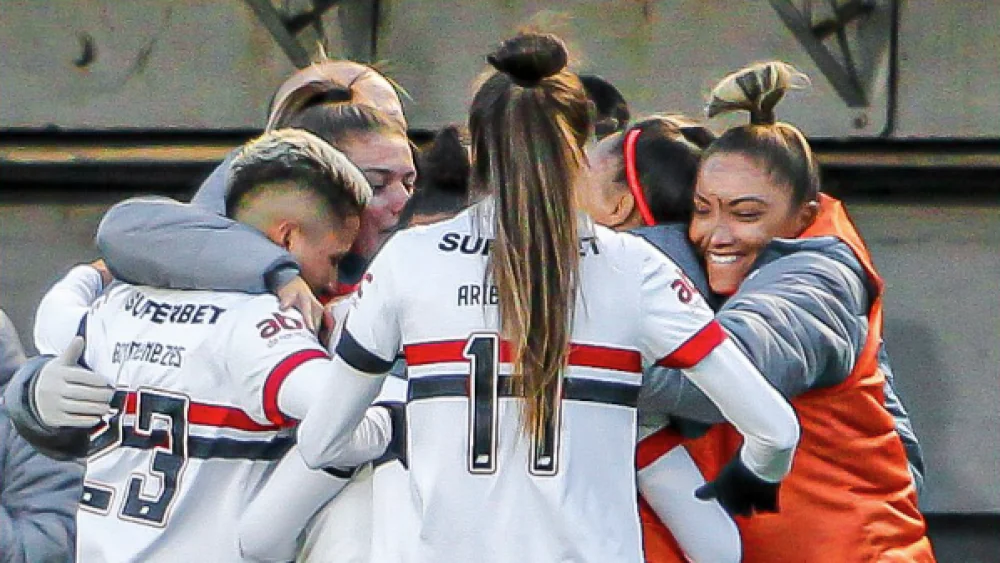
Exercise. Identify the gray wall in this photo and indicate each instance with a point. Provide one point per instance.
(198, 64)
(39, 242)
(941, 267)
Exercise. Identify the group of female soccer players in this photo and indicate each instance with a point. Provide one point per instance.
(694, 294)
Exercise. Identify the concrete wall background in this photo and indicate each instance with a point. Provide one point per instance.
(212, 65)
(941, 267)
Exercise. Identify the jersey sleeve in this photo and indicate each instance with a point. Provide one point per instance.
(264, 347)
(702, 529)
(677, 326)
(59, 314)
(371, 337)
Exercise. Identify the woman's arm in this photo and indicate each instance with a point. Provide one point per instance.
(61, 311)
(801, 320)
(678, 331)
(164, 243)
(365, 353)
(277, 516)
(211, 194)
(702, 529)
(894, 404)
(38, 504)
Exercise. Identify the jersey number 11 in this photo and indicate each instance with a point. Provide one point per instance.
(485, 386)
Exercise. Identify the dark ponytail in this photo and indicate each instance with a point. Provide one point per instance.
(443, 184)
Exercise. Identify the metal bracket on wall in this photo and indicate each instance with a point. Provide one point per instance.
(843, 74)
(284, 28)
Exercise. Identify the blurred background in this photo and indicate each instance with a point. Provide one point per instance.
(102, 99)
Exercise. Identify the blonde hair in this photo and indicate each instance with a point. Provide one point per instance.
(325, 74)
(778, 147)
(297, 156)
(528, 123)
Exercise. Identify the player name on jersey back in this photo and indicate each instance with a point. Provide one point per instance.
(566, 488)
(476, 245)
(195, 426)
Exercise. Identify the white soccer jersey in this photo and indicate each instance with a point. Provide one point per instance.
(370, 516)
(394, 520)
(196, 425)
(482, 490)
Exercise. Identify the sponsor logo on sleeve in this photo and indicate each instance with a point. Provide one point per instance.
(277, 322)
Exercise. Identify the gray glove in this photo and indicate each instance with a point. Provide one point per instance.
(67, 395)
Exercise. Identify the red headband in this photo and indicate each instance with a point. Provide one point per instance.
(632, 177)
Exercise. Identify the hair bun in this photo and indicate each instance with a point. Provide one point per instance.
(530, 57)
(445, 165)
(756, 89)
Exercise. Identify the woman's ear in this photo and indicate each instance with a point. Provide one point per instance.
(622, 209)
(281, 233)
(807, 215)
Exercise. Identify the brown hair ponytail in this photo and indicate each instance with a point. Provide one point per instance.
(528, 123)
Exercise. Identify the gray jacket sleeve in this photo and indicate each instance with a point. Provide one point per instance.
(164, 243)
(11, 351)
(39, 502)
(211, 195)
(914, 454)
(802, 320)
(38, 496)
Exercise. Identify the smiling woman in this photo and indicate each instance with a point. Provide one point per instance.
(756, 182)
(738, 210)
(805, 303)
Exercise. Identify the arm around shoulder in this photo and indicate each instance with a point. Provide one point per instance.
(802, 320)
(165, 243)
(63, 308)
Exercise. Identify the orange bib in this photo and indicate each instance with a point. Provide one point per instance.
(850, 496)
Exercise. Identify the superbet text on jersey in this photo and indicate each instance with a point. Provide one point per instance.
(566, 491)
(195, 425)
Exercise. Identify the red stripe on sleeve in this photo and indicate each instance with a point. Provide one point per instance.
(655, 446)
(210, 415)
(696, 348)
(278, 376)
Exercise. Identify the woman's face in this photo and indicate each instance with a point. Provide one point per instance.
(387, 163)
(738, 209)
